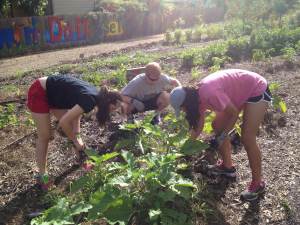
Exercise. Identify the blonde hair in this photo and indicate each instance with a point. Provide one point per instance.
(153, 66)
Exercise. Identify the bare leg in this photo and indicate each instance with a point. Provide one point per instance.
(42, 122)
(163, 101)
(225, 149)
(252, 118)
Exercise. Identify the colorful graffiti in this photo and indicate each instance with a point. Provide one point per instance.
(45, 30)
(114, 29)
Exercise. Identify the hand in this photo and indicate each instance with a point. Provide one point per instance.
(194, 133)
(218, 140)
(79, 145)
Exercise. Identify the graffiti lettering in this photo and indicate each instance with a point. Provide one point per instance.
(6, 37)
(114, 28)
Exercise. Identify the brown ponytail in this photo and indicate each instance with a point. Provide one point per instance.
(191, 104)
(104, 99)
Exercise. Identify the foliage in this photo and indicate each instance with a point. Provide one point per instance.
(277, 101)
(168, 37)
(289, 54)
(148, 187)
(189, 35)
(31, 7)
(238, 48)
(7, 116)
(178, 36)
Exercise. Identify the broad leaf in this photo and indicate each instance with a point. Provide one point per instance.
(191, 147)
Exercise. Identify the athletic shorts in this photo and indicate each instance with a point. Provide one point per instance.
(37, 98)
(266, 96)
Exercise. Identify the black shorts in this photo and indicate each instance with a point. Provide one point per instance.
(151, 104)
(266, 96)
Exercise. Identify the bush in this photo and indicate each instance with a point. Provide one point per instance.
(178, 35)
(197, 35)
(168, 37)
(188, 35)
(238, 48)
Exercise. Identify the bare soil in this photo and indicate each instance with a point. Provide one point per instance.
(13, 66)
(279, 141)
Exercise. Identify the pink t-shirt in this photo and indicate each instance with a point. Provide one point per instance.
(232, 85)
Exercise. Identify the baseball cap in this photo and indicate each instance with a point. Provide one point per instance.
(177, 97)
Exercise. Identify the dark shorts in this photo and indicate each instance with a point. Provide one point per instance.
(151, 104)
(266, 96)
(37, 100)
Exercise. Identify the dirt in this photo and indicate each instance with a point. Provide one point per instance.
(15, 66)
(278, 139)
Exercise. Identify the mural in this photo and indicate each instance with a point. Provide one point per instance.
(45, 30)
(114, 29)
(20, 34)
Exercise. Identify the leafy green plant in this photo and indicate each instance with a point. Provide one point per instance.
(7, 116)
(147, 188)
(277, 101)
(189, 35)
(188, 59)
(259, 55)
(10, 88)
(168, 37)
(178, 35)
(289, 54)
(238, 48)
(297, 47)
(195, 73)
(198, 32)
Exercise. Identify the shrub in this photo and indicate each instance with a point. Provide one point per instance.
(289, 54)
(188, 35)
(238, 48)
(168, 37)
(178, 35)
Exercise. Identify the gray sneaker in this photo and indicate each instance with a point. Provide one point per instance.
(253, 191)
(219, 170)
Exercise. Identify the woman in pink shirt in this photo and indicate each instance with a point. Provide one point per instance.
(227, 93)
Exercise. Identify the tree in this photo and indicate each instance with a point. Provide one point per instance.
(31, 7)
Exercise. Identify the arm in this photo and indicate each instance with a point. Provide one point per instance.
(67, 121)
(232, 114)
(174, 82)
(196, 132)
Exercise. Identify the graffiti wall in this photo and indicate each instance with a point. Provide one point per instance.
(27, 34)
(33, 34)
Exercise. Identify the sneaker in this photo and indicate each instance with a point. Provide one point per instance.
(253, 191)
(156, 120)
(44, 181)
(219, 170)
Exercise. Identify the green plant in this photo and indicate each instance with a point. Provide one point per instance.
(259, 55)
(168, 37)
(197, 35)
(195, 73)
(289, 54)
(66, 68)
(188, 58)
(277, 101)
(7, 116)
(297, 47)
(178, 35)
(10, 88)
(238, 48)
(189, 35)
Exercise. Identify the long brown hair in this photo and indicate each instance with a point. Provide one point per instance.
(191, 105)
(104, 99)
